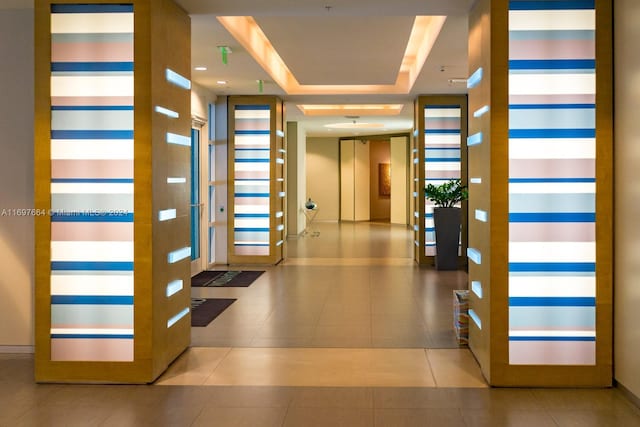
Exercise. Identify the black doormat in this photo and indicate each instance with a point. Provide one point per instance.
(204, 310)
(204, 277)
(225, 278)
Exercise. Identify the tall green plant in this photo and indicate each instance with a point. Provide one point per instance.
(448, 194)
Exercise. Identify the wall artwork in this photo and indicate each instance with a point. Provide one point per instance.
(384, 179)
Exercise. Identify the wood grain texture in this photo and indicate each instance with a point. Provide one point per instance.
(159, 33)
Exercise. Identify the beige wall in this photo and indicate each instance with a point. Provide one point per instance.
(399, 191)
(16, 180)
(323, 176)
(627, 195)
(380, 152)
(296, 178)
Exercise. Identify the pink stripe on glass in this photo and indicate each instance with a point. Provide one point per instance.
(92, 231)
(556, 49)
(91, 100)
(94, 169)
(552, 232)
(91, 52)
(92, 350)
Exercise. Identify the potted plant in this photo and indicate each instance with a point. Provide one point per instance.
(447, 219)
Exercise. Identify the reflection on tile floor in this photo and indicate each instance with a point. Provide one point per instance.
(354, 286)
(325, 367)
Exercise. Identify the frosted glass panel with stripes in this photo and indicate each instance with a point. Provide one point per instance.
(252, 157)
(92, 182)
(441, 157)
(552, 185)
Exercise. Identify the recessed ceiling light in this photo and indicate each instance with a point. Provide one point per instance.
(199, 68)
(350, 109)
(222, 82)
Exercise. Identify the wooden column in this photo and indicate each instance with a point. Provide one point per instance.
(257, 192)
(540, 166)
(439, 154)
(112, 126)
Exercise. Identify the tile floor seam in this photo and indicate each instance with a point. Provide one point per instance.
(433, 375)
(226, 354)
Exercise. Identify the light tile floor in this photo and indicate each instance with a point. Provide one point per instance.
(355, 286)
(24, 403)
(325, 367)
(344, 333)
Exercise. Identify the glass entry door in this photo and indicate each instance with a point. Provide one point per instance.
(197, 202)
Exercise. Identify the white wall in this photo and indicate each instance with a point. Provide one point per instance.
(323, 176)
(16, 180)
(627, 195)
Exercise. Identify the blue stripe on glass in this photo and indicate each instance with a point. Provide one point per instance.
(92, 299)
(552, 301)
(550, 106)
(250, 244)
(92, 108)
(441, 106)
(552, 64)
(550, 180)
(93, 180)
(92, 265)
(91, 217)
(552, 133)
(552, 266)
(442, 159)
(252, 107)
(252, 149)
(252, 132)
(91, 134)
(249, 229)
(251, 195)
(552, 217)
(442, 148)
(92, 336)
(251, 160)
(442, 131)
(552, 338)
(91, 66)
(248, 215)
(551, 4)
(91, 8)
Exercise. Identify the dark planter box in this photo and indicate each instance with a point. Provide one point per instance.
(447, 223)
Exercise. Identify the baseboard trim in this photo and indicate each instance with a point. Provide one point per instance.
(628, 394)
(17, 349)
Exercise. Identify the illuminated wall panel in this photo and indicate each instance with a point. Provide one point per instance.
(442, 157)
(92, 182)
(252, 193)
(552, 183)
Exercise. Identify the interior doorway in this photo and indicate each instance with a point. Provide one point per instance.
(374, 179)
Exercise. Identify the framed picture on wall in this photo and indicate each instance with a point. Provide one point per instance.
(384, 179)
